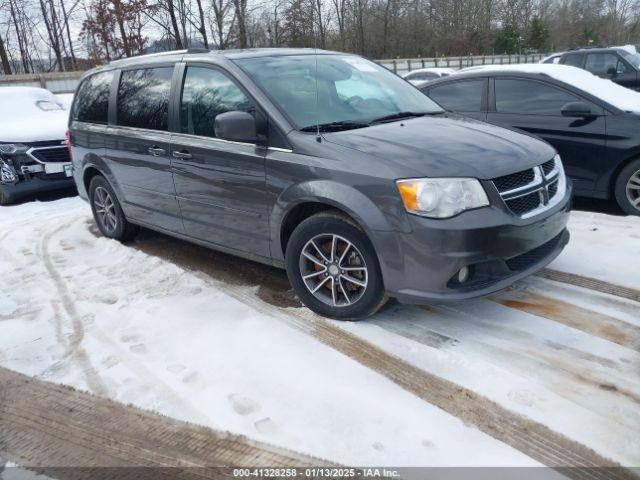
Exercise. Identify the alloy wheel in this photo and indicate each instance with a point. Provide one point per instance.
(105, 209)
(333, 270)
(633, 190)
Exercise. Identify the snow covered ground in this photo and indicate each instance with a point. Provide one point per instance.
(133, 323)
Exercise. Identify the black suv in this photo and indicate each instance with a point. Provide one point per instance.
(324, 163)
(615, 63)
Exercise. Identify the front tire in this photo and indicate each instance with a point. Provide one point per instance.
(107, 211)
(333, 268)
(627, 188)
(5, 199)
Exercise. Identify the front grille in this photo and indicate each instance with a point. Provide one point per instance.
(524, 204)
(51, 154)
(547, 167)
(530, 258)
(514, 180)
(528, 192)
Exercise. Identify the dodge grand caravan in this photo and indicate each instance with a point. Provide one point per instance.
(323, 163)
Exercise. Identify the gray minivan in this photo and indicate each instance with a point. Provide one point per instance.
(323, 163)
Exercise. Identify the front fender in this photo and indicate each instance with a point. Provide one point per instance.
(343, 197)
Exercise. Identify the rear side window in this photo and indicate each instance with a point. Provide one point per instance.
(143, 98)
(206, 94)
(460, 96)
(92, 102)
(530, 98)
(573, 59)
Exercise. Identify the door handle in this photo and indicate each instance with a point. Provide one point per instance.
(156, 151)
(182, 154)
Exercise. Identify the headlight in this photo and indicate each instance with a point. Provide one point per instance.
(441, 197)
(7, 173)
(12, 148)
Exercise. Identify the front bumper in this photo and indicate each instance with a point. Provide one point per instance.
(23, 188)
(497, 247)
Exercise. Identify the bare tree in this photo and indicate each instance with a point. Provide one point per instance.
(6, 66)
(240, 7)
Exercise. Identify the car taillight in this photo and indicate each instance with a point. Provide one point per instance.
(68, 142)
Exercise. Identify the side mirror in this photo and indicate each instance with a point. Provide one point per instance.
(236, 126)
(612, 71)
(577, 110)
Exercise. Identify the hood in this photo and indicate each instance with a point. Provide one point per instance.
(31, 115)
(447, 146)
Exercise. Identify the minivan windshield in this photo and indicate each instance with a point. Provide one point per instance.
(339, 92)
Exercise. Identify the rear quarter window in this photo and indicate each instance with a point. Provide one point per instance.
(92, 100)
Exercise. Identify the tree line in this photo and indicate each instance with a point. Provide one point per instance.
(62, 35)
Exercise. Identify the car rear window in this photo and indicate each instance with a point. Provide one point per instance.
(92, 102)
(143, 98)
(459, 96)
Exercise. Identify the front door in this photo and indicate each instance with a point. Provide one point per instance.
(220, 185)
(138, 148)
(610, 65)
(535, 107)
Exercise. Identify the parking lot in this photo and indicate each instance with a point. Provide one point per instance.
(547, 372)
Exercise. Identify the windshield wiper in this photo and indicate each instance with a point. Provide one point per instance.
(398, 116)
(335, 126)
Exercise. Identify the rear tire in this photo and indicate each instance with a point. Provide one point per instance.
(333, 268)
(107, 211)
(627, 188)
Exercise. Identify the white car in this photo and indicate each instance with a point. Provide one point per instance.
(33, 153)
(553, 58)
(425, 75)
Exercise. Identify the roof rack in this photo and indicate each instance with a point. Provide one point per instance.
(588, 47)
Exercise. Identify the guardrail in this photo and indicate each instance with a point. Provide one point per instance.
(56, 82)
(406, 65)
(66, 82)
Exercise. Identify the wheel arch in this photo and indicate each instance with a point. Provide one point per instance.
(303, 200)
(616, 172)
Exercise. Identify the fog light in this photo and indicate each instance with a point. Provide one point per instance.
(7, 173)
(463, 275)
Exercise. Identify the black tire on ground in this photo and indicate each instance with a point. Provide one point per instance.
(627, 188)
(5, 199)
(366, 300)
(117, 226)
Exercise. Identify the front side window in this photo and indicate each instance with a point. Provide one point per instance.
(92, 102)
(602, 64)
(460, 96)
(330, 89)
(530, 98)
(206, 94)
(143, 98)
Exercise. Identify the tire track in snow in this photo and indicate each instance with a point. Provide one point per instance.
(590, 283)
(534, 439)
(44, 424)
(588, 321)
(73, 347)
